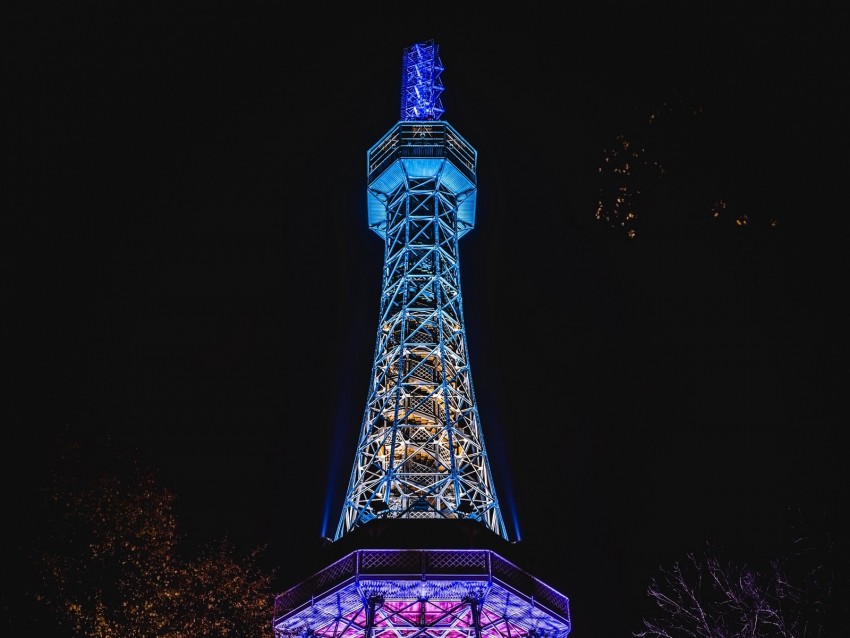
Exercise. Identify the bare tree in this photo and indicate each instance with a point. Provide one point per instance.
(800, 595)
(702, 597)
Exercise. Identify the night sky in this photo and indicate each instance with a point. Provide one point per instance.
(191, 275)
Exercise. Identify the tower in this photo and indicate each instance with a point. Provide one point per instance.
(420, 548)
(421, 451)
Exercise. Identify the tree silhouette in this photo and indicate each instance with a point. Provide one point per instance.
(109, 563)
(801, 594)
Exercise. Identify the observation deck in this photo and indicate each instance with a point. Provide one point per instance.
(454, 593)
(413, 150)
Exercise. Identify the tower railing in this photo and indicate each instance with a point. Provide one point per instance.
(422, 139)
(423, 565)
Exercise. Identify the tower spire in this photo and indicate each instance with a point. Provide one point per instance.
(421, 450)
(420, 82)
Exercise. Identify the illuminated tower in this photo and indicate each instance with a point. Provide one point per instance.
(420, 546)
(421, 451)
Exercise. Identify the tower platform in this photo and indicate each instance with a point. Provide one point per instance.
(410, 578)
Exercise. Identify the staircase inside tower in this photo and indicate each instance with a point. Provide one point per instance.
(421, 452)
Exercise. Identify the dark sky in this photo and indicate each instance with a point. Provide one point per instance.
(192, 274)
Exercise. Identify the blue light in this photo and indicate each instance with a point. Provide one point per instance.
(337, 452)
(420, 82)
(512, 509)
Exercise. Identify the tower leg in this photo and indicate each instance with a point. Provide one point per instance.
(476, 616)
(371, 607)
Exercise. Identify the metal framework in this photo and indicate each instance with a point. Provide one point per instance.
(421, 450)
(422, 593)
(420, 82)
(420, 453)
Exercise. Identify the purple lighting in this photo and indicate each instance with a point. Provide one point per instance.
(420, 82)
(444, 593)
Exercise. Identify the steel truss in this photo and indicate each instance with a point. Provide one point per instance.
(422, 593)
(420, 82)
(421, 451)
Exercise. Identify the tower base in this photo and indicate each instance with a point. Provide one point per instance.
(406, 578)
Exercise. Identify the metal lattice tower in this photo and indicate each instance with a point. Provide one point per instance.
(419, 550)
(421, 450)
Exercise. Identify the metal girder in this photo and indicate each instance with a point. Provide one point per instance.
(411, 593)
(421, 450)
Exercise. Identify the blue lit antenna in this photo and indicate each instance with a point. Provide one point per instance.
(420, 82)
